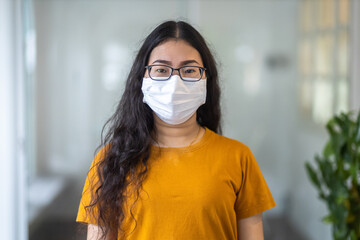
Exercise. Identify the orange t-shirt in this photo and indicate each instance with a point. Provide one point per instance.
(195, 192)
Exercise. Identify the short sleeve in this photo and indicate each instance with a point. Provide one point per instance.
(254, 195)
(89, 214)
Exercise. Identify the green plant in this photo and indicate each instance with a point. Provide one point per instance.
(337, 176)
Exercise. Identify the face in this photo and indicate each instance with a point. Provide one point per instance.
(175, 53)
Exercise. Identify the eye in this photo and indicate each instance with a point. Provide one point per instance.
(190, 70)
(161, 70)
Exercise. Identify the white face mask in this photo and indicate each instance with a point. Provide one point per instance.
(174, 101)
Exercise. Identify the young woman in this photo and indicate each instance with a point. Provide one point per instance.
(164, 171)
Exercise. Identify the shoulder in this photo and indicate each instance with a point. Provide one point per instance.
(225, 143)
(101, 153)
(99, 159)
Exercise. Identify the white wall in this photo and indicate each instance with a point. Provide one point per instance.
(305, 209)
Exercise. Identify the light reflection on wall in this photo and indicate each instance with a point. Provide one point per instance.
(116, 61)
(251, 69)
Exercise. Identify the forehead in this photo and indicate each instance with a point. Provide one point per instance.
(174, 51)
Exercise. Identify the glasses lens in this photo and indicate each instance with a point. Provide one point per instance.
(160, 72)
(190, 73)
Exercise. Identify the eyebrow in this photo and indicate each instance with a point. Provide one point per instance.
(186, 62)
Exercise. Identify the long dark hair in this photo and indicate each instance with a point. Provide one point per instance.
(128, 132)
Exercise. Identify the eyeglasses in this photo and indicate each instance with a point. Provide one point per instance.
(186, 73)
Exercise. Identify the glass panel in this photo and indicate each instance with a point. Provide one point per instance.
(326, 18)
(343, 12)
(323, 99)
(305, 59)
(306, 19)
(343, 96)
(324, 56)
(343, 53)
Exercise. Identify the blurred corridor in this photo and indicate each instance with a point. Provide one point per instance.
(286, 66)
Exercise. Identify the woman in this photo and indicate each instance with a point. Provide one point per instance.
(163, 171)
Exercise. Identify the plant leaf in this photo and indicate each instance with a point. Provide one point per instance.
(312, 174)
(328, 150)
(328, 219)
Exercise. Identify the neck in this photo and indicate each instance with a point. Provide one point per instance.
(180, 135)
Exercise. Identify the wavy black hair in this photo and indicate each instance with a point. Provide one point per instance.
(130, 129)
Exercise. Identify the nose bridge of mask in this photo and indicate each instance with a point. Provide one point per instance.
(177, 83)
(176, 78)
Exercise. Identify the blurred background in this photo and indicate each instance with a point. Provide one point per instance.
(286, 66)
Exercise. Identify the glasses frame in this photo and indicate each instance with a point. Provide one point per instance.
(202, 70)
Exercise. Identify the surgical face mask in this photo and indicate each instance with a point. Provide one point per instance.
(174, 101)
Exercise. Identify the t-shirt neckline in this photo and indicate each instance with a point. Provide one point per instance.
(202, 142)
